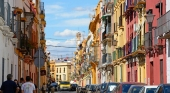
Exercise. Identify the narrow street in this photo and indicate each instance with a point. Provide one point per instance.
(65, 92)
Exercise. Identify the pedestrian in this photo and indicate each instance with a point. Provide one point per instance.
(28, 86)
(49, 87)
(22, 81)
(44, 88)
(9, 86)
(34, 84)
(53, 85)
(18, 87)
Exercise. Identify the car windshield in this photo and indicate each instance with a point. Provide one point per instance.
(167, 89)
(111, 87)
(64, 82)
(136, 89)
(74, 85)
(103, 86)
(151, 90)
(125, 87)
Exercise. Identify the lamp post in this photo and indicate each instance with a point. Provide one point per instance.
(149, 17)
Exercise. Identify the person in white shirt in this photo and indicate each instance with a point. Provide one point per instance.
(28, 87)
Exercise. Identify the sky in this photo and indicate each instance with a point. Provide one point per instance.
(64, 19)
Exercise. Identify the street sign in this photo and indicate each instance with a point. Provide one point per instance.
(39, 58)
(36, 62)
(41, 53)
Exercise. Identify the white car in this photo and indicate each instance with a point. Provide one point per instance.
(148, 89)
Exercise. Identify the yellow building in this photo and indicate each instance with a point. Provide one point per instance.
(119, 41)
(53, 70)
(63, 71)
(94, 27)
(140, 29)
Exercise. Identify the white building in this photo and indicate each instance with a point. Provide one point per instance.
(8, 58)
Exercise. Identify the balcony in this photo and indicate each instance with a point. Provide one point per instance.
(104, 58)
(148, 40)
(163, 27)
(103, 35)
(128, 8)
(42, 10)
(108, 58)
(42, 38)
(139, 4)
(108, 29)
(43, 22)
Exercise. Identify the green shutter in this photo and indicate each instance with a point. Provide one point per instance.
(113, 55)
(137, 43)
(121, 75)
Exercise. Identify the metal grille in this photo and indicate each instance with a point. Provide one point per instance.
(163, 24)
(2, 8)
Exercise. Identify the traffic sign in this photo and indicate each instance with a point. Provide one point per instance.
(39, 58)
(36, 62)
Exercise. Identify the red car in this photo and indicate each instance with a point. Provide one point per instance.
(124, 87)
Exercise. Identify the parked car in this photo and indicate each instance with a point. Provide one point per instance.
(103, 87)
(135, 88)
(163, 88)
(110, 86)
(78, 89)
(98, 88)
(148, 89)
(73, 87)
(124, 87)
(92, 89)
(86, 88)
(65, 85)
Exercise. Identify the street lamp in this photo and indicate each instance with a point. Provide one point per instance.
(149, 17)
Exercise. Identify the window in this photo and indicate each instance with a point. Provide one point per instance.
(64, 70)
(161, 71)
(57, 70)
(60, 70)
(64, 77)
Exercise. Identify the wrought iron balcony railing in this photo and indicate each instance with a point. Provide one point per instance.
(163, 26)
(148, 40)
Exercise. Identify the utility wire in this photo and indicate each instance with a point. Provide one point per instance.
(61, 46)
(60, 39)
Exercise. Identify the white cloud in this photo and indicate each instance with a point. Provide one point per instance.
(77, 12)
(55, 8)
(66, 32)
(56, 52)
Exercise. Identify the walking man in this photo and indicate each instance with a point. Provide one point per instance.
(9, 86)
(28, 87)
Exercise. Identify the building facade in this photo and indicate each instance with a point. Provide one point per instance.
(20, 36)
(155, 49)
(63, 71)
